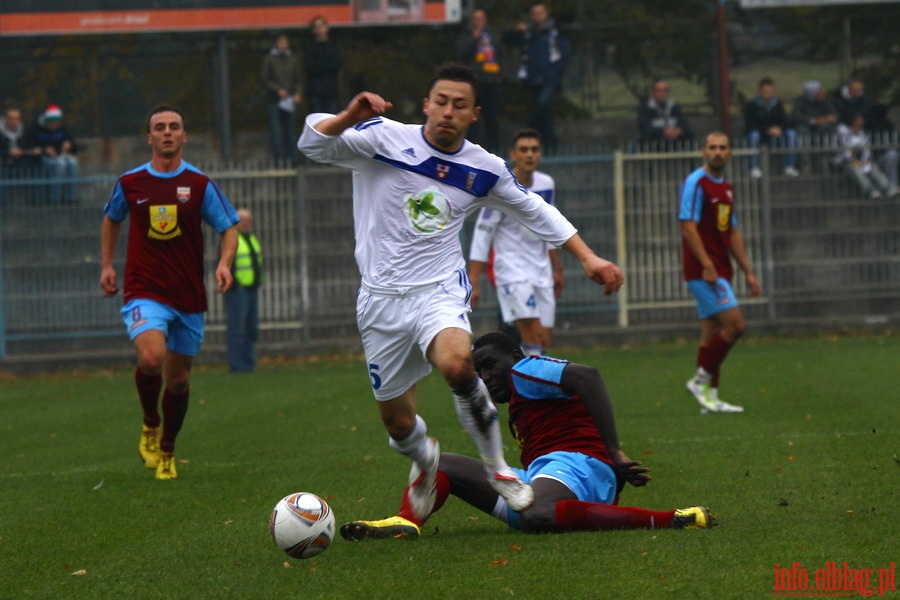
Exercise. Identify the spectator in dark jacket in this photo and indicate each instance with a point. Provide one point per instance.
(851, 100)
(323, 64)
(545, 53)
(814, 113)
(767, 123)
(479, 49)
(661, 122)
(282, 77)
(58, 154)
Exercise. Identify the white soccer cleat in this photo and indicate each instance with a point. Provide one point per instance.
(517, 493)
(703, 394)
(423, 484)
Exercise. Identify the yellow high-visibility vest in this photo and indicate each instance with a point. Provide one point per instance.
(243, 261)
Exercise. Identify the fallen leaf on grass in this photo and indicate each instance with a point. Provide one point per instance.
(515, 547)
(287, 565)
(500, 563)
(80, 572)
(229, 522)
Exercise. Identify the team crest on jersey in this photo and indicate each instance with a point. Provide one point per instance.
(164, 222)
(442, 171)
(183, 194)
(470, 179)
(724, 215)
(428, 211)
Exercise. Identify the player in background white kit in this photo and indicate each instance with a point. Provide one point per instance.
(413, 186)
(528, 273)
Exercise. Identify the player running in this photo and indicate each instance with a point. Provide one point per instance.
(413, 186)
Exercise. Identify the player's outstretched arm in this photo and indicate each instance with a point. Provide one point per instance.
(597, 269)
(364, 105)
(588, 385)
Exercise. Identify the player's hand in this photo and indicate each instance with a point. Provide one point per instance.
(475, 297)
(710, 275)
(605, 273)
(367, 105)
(753, 284)
(224, 279)
(630, 470)
(108, 282)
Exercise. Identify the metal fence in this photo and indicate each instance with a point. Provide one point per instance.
(822, 250)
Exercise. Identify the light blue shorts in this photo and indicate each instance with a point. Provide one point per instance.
(591, 480)
(712, 299)
(183, 331)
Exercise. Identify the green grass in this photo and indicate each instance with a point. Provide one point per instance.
(808, 474)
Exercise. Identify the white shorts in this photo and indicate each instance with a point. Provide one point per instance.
(397, 326)
(522, 300)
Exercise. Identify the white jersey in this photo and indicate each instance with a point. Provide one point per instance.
(410, 199)
(519, 255)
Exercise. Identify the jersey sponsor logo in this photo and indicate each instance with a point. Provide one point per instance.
(470, 179)
(410, 152)
(442, 171)
(428, 211)
(142, 200)
(164, 222)
(723, 219)
(183, 194)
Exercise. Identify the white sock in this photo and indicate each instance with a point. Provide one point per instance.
(499, 511)
(414, 446)
(532, 349)
(478, 416)
(701, 376)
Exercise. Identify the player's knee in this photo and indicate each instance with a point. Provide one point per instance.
(150, 361)
(398, 426)
(540, 517)
(458, 372)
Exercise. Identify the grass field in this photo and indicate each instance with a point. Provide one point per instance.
(809, 474)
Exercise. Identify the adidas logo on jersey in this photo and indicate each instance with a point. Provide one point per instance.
(410, 152)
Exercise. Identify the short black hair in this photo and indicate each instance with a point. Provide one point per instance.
(454, 72)
(160, 108)
(500, 341)
(525, 133)
(765, 81)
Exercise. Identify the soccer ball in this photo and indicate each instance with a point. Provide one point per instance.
(302, 525)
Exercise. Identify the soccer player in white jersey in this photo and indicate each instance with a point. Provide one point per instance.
(413, 186)
(528, 273)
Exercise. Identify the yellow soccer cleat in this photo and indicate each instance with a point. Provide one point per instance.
(695, 517)
(392, 527)
(149, 447)
(166, 467)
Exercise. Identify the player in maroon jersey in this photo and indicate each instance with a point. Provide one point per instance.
(710, 238)
(165, 297)
(562, 417)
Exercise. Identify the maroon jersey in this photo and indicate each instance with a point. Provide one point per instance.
(709, 202)
(545, 419)
(164, 261)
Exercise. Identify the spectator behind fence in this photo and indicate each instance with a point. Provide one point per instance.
(282, 77)
(857, 160)
(814, 114)
(545, 54)
(323, 64)
(58, 154)
(851, 100)
(479, 49)
(18, 150)
(661, 121)
(242, 299)
(766, 122)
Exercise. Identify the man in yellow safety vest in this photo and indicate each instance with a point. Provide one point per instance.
(242, 300)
